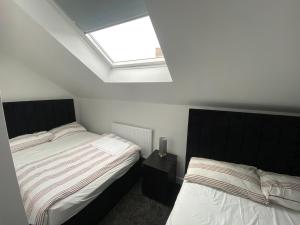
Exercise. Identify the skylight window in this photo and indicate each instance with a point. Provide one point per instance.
(128, 43)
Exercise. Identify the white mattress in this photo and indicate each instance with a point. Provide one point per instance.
(65, 209)
(201, 205)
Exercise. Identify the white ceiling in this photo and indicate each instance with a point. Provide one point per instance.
(234, 53)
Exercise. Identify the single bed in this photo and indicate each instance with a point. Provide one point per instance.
(88, 204)
(268, 142)
(201, 205)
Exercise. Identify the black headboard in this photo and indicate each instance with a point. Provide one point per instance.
(33, 116)
(269, 142)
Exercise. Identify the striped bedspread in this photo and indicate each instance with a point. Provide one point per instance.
(46, 181)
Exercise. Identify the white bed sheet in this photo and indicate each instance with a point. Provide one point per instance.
(65, 209)
(201, 205)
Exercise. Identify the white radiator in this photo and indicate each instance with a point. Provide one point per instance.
(138, 135)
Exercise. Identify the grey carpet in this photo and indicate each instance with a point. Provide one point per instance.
(136, 209)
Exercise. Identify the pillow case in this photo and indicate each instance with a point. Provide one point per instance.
(66, 130)
(281, 189)
(236, 179)
(29, 140)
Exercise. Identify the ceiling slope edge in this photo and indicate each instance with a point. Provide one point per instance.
(59, 26)
(45, 14)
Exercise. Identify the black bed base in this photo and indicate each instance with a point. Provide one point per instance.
(98, 208)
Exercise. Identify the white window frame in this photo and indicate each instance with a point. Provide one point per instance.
(131, 63)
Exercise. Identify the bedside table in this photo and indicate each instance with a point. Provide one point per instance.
(159, 177)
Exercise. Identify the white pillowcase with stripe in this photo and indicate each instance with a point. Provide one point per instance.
(281, 189)
(236, 179)
(29, 140)
(66, 130)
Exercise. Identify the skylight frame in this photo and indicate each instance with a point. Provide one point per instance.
(129, 63)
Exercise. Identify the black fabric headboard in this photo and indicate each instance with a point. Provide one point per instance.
(269, 142)
(33, 116)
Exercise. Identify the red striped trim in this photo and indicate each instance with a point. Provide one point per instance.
(70, 150)
(60, 173)
(65, 127)
(50, 160)
(225, 170)
(65, 193)
(25, 170)
(61, 182)
(30, 143)
(62, 164)
(229, 188)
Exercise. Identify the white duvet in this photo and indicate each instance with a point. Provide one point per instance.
(66, 208)
(200, 205)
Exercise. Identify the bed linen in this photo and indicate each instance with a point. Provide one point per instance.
(66, 129)
(63, 209)
(281, 189)
(29, 140)
(201, 205)
(236, 179)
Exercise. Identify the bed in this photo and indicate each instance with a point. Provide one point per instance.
(198, 205)
(93, 200)
(268, 142)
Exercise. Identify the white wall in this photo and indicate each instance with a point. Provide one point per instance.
(18, 82)
(11, 207)
(237, 53)
(166, 120)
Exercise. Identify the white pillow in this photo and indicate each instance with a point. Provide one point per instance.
(66, 130)
(281, 189)
(236, 179)
(29, 140)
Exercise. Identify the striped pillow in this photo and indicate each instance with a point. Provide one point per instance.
(29, 140)
(281, 189)
(236, 179)
(66, 130)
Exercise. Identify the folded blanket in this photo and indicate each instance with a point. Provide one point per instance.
(111, 145)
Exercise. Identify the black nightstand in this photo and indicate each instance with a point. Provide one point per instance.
(159, 177)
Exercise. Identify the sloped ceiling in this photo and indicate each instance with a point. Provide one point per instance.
(234, 53)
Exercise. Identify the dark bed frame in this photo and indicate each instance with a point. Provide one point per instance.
(268, 142)
(33, 116)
